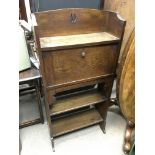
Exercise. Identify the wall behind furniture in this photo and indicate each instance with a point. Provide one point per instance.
(44, 5)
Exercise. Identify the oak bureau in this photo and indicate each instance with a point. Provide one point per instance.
(78, 52)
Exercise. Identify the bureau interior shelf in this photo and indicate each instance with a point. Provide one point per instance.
(77, 121)
(74, 40)
(77, 100)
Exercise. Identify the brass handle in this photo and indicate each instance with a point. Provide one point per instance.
(83, 54)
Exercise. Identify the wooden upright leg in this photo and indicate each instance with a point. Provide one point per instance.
(52, 142)
(102, 126)
(50, 98)
(127, 140)
(39, 104)
(47, 101)
(106, 89)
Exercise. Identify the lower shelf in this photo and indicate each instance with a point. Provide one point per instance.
(77, 121)
(76, 101)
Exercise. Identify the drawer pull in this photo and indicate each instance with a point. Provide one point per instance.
(83, 54)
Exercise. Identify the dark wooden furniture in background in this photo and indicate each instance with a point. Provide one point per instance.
(126, 88)
(31, 78)
(77, 48)
(22, 10)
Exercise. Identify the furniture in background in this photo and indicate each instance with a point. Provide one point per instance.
(77, 48)
(29, 82)
(22, 10)
(126, 89)
(24, 60)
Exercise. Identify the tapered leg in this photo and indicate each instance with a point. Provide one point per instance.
(52, 142)
(127, 140)
(102, 126)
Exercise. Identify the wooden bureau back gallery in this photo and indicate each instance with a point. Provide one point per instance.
(78, 52)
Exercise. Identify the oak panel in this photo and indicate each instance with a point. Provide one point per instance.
(78, 64)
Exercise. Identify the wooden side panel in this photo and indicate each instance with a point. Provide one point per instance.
(115, 25)
(126, 8)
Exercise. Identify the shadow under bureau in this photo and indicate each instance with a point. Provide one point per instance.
(78, 52)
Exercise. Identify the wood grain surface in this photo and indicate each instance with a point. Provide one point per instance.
(75, 122)
(81, 39)
(126, 80)
(71, 65)
(77, 48)
(76, 101)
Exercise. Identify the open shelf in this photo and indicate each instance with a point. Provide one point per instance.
(77, 100)
(80, 39)
(77, 121)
